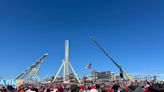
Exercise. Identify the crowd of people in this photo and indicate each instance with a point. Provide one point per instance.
(52, 87)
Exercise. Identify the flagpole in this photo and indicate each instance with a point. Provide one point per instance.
(91, 75)
(85, 90)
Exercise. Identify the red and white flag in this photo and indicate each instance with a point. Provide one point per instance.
(88, 66)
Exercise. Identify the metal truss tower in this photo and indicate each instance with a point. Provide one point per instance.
(32, 71)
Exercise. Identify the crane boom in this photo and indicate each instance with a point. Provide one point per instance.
(32, 66)
(118, 66)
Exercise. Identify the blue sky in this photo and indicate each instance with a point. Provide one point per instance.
(132, 31)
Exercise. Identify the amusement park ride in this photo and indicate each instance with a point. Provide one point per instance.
(67, 67)
(31, 72)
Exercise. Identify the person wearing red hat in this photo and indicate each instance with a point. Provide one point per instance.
(81, 87)
(125, 88)
(60, 88)
(93, 87)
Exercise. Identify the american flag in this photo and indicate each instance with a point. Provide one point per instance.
(88, 66)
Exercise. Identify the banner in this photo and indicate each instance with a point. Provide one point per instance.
(11, 82)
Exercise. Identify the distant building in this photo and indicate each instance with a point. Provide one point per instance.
(105, 76)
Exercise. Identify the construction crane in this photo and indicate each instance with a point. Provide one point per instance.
(118, 66)
(32, 67)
